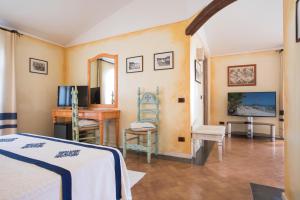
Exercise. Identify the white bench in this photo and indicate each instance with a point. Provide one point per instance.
(210, 133)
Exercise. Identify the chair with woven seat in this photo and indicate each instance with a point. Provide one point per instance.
(82, 130)
(146, 126)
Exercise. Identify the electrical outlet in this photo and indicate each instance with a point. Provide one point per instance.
(181, 100)
(181, 139)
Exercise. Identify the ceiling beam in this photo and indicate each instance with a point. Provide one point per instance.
(209, 11)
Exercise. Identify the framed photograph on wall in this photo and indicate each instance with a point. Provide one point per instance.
(38, 66)
(198, 71)
(134, 64)
(297, 21)
(242, 75)
(163, 61)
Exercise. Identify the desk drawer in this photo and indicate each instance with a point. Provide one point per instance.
(88, 115)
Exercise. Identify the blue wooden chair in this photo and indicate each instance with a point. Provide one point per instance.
(82, 130)
(148, 112)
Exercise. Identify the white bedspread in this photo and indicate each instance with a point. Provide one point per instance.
(93, 171)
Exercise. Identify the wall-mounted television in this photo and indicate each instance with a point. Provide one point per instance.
(252, 104)
(64, 96)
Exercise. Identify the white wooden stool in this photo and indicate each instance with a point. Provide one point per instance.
(210, 133)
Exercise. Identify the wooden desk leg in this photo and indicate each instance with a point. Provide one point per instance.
(101, 132)
(117, 131)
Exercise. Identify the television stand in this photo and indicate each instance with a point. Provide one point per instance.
(250, 125)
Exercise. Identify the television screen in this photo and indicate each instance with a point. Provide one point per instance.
(95, 95)
(83, 98)
(252, 104)
(65, 97)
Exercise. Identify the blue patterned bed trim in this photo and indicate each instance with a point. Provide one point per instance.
(114, 152)
(71, 153)
(7, 139)
(65, 174)
(33, 145)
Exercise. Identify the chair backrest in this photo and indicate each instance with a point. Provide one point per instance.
(148, 106)
(75, 126)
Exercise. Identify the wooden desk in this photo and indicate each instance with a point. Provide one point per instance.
(96, 114)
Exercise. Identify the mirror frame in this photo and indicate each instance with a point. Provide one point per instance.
(115, 57)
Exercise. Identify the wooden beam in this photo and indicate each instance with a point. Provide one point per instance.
(209, 11)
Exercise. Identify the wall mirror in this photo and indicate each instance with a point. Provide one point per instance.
(103, 81)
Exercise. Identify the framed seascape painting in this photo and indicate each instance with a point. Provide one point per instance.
(134, 64)
(297, 21)
(38, 66)
(163, 61)
(242, 75)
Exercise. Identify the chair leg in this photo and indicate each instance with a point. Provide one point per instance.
(138, 140)
(149, 146)
(124, 143)
(156, 144)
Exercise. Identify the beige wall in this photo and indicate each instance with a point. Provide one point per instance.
(292, 69)
(36, 93)
(268, 79)
(174, 117)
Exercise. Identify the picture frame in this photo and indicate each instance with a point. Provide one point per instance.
(164, 60)
(297, 21)
(135, 64)
(198, 71)
(38, 66)
(241, 75)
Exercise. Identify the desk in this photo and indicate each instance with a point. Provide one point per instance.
(210, 133)
(96, 114)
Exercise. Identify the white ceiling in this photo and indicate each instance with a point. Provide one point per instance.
(142, 14)
(69, 22)
(59, 21)
(246, 26)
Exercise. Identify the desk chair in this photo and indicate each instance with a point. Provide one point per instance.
(148, 112)
(82, 130)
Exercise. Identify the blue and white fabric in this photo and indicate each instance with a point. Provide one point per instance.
(8, 114)
(38, 167)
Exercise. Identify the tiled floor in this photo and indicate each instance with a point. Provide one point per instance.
(258, 161)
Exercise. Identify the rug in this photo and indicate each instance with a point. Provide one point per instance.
(135, 177)
(263, 192)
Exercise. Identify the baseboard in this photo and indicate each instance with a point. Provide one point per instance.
(283, 196)
(177, 155)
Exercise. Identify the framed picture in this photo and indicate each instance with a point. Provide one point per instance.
(297, 21)
(38, 66)
(163, 61)
(134, 64)
(198, 71)
(242, 75)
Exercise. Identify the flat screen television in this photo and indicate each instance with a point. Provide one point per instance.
(64, 96)
(252, 104)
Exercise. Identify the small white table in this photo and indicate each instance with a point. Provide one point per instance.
(210, 133)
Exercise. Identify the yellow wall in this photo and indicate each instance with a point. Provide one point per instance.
(268, 79)
(292, 69)
(36, 93)
(174, 117)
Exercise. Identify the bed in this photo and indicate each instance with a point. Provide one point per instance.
(39, 167)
